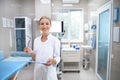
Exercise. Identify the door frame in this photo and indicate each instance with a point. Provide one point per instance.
(103, 8)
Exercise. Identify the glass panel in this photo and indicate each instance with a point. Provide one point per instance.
(20, 40)
(20, 22)
(76, 26)
(63, 16)
(103, 43)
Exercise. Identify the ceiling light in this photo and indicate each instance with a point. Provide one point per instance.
(70, 1)
(67, 5)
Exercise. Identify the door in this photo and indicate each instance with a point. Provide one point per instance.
(103, 42)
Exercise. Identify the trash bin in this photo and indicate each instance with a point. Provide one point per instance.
(86, 63)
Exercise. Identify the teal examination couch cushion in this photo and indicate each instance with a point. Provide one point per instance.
(19, 53)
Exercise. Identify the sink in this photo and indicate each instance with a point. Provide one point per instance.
(86, 46)
(68, 49)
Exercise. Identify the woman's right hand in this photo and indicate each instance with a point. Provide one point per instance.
(28, 50)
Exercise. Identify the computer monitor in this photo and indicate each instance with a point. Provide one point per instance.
(56, 27)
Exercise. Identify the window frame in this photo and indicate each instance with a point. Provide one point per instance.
(68, 39)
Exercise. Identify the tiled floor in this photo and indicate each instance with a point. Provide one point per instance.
(27, 74)
(83, 75)
(88, 75)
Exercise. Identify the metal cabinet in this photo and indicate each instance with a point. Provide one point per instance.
(23, 32)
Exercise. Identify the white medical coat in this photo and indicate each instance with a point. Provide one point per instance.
(45, 50)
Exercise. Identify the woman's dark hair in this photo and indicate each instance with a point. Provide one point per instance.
(44, 17)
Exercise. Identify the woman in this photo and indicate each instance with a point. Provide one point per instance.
(46, 52)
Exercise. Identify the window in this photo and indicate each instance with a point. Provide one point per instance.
(73, 24)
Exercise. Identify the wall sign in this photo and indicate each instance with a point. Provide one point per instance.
(116, 15)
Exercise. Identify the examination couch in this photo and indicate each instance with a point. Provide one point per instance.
(12, 65)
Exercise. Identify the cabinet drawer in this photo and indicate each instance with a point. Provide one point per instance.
(70, 52)
(71, 57)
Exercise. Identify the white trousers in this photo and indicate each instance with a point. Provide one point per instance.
(42, 72)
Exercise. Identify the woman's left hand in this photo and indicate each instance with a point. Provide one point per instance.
(50, 62)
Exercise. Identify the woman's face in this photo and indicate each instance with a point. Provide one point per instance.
(45, 26)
